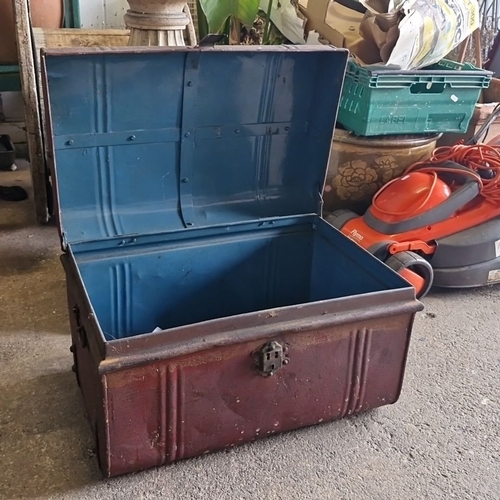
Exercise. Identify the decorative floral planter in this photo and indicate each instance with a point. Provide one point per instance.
(156, 22)
(359, 166)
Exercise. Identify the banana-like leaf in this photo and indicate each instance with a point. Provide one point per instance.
(218, 11)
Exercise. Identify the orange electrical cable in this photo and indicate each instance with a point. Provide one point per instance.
(479, 157)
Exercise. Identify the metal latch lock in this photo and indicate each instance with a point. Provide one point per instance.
(271, 357)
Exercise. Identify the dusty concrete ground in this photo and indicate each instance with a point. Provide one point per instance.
(440, 441)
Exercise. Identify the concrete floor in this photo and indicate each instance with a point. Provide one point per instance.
(440, 441)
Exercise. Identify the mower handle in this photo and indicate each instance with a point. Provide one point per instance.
(467, 175)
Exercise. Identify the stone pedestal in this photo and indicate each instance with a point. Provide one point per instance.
(157, 22)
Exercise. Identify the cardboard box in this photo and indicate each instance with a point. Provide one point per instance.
(339, 25)
(413, 35)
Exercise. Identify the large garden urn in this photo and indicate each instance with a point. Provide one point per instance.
(157, 22)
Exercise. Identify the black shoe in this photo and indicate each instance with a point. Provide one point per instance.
(12, 193)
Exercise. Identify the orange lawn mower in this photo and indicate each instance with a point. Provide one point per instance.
(439, 223)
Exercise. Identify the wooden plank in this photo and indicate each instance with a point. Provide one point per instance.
(31, 109)
(71, 37)
(463, 50)
(478, 48)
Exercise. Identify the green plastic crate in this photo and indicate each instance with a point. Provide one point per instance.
(440, 98)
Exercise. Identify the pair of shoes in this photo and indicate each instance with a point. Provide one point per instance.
(13, 193)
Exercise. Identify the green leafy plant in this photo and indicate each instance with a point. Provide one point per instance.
(218, 12)
(231, 17)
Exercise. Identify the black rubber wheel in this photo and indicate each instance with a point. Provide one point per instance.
(339, 218)
(415, 263)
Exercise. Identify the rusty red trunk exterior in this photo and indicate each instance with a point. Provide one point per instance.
(210, 303)
(155, 404)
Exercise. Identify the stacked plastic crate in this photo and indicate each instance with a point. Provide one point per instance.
(440, 98)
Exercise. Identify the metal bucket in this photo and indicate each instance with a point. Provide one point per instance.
(359, 166)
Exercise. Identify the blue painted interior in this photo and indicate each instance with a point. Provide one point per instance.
(213, 159)
(173, 284)
(163, 140)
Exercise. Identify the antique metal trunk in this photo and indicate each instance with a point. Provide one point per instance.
(210, 303)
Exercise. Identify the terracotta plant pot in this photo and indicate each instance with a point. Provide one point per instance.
(8, 50)
(44, 14)
(47, 13)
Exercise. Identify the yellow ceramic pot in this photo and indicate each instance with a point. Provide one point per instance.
(359, 166)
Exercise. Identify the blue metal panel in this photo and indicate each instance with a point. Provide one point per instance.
(211, 274)
(190, 103)
(151, 141)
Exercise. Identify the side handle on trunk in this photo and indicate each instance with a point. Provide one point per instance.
(82, 334)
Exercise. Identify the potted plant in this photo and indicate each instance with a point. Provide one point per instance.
(244, 21)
